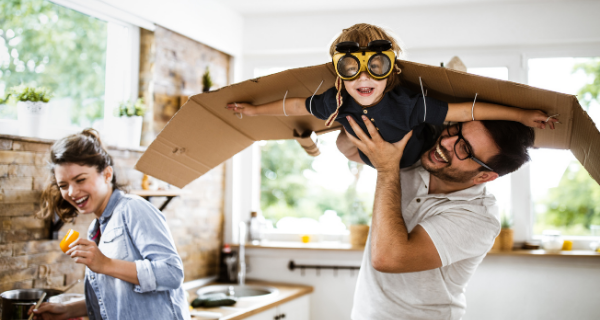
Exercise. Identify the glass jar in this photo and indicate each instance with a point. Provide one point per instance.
(551, 240)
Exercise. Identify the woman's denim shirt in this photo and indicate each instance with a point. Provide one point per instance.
(132, 229)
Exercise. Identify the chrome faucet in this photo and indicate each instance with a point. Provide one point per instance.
(242, 255)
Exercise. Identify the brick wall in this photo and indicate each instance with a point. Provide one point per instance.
(29, 260)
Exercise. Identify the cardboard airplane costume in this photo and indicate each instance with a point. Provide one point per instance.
(203, 134)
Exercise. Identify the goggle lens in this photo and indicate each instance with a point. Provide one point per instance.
(379, 65)
(348, 66)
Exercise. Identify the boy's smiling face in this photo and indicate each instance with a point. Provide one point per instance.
(365, 90)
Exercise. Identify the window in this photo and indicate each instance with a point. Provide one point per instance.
(304, 194)
(77, 56)
(565, 197)
(44, 44)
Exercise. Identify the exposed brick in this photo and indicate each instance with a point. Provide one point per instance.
(71, 267)
(16, 183)
(6, 144)
(6, 250)
(39, 183)
(47, 258)
(33, 247)
(50, 282)
(31, 146)
(23, 170)
(18, 275)
(20, 223)
(12, 263)
(20, 209)
(22, 157)
(19, 196)
(16, 285)
(23, 235)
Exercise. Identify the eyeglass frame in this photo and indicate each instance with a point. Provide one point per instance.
(470, 154)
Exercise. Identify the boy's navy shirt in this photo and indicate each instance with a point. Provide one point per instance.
(398, 112)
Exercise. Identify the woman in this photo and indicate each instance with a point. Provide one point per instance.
(132, 270)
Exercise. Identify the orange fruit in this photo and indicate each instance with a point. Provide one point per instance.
(71, 236)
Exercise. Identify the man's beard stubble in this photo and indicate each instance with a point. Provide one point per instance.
(446, 173)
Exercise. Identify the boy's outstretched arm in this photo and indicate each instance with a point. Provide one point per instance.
(461, 112)
(293, 107)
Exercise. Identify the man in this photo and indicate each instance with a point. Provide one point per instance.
(434, 222)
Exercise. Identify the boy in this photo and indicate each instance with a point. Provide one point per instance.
(368, 83)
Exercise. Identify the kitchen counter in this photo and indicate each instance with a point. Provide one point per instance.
(245, 308)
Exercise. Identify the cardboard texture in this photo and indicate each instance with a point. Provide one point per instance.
(204, 134)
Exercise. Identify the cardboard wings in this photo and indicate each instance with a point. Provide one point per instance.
(203, 134)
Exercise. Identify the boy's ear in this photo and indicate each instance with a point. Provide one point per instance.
(485, 176)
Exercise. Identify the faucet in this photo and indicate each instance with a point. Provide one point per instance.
(242, 254)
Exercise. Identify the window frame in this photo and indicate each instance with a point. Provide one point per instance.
(122, 70)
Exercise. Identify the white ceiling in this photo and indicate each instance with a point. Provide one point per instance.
(253, 7)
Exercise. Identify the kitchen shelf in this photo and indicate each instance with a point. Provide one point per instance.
(544, 253)
(169, 194)
(304, 246)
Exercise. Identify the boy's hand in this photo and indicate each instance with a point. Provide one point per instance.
(242, 108)
(537, 119)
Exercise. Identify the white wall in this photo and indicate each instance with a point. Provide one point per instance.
(504, 287)
(431, 34)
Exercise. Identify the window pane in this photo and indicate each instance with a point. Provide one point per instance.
(493, 72)
(294, 184)
(565, 197)
(44, 44)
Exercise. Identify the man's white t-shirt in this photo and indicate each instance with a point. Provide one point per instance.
(462, 225)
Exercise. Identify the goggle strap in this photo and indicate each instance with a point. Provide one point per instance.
(310, 103)
(424, 100)
(338, 100)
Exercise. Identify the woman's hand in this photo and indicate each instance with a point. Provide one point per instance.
(242, 108)
(86, 252)
(50, 311)
(537, 119)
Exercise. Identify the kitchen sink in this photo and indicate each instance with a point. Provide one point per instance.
(245, 292)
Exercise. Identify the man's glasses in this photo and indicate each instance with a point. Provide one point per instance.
(462, 148)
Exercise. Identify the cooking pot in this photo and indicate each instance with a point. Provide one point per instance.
(16, 303)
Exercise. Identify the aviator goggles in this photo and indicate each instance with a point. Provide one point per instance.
(377, 58)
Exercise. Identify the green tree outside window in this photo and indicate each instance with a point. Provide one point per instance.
(44, 44)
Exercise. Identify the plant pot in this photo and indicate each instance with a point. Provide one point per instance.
(359, 234)
(506, 239)
(130, 131)
(32, 118)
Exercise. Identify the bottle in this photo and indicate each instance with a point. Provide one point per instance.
(228, 265)
(257, 223)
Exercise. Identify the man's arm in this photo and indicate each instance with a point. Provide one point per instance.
(393, 248)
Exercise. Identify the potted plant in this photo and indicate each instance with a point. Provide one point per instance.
(32, 108)
(359, 224)
(130, 117)
(505, 240)
(206, 81)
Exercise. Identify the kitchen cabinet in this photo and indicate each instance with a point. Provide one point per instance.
(297, 309)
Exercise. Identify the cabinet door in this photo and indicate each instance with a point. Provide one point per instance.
(265, 315)
(297, 309)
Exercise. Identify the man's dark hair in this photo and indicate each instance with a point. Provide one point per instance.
(513, 139)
